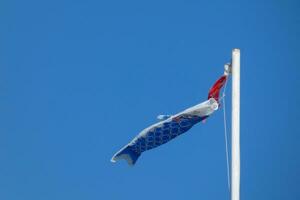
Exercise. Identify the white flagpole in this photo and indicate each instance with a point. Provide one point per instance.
(235, 126)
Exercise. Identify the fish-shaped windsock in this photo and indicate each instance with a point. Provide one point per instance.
(171, 126)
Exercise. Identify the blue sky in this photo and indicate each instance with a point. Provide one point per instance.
(79, 79)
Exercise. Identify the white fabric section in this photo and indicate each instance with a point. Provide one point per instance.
(163, 117)
(203, 109)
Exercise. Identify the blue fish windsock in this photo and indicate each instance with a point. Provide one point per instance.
(171, 126)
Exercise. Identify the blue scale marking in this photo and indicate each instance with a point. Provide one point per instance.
(164, 133)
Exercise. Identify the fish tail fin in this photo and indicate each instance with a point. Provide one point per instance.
(127, 154)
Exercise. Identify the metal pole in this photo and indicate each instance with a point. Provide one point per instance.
(235, 136)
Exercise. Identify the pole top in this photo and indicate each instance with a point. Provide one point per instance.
(235, 50)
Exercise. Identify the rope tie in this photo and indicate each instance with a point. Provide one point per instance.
(226, 137)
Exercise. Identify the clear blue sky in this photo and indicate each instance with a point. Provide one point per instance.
(79, 79)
